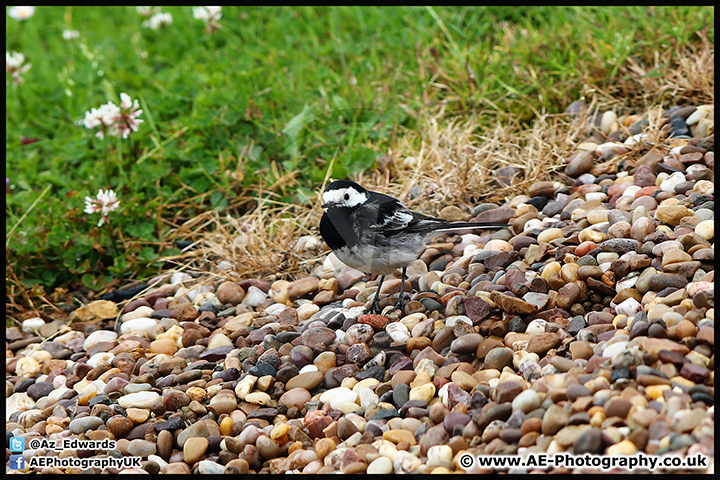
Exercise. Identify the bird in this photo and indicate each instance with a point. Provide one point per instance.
(377, 234)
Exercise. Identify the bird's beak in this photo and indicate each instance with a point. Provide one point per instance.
(326, 204)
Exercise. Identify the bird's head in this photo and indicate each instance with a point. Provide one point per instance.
(344, 193)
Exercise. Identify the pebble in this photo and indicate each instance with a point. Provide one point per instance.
(194, 448)
(138, 400)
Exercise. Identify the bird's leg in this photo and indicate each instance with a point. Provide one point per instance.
(375, 306)
(400, 303)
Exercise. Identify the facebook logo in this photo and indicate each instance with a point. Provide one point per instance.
(17, 444)
(17, 462)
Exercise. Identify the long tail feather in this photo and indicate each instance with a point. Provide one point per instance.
(467, 225)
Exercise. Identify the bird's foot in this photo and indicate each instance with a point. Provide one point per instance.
(400, 304)
(374, 308)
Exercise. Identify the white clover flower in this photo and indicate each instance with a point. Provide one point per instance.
(21, 13)
(158, 21)
(13, 60)
(147, 11)
(70, 34)
(105, 202)
(113, 120)
(14, 66)
(210, 15)
(104, 117)
(128, 120)
(207, 13)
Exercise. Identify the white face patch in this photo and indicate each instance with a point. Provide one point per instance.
(344, 197)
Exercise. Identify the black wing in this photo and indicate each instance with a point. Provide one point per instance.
(389, 216)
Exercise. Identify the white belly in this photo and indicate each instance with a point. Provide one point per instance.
(371, 259)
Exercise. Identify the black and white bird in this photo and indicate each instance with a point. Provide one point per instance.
(375, 233)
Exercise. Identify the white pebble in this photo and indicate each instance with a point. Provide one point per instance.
(368, 399)
(138, 325)
(206, 298)
(254, 296)
(440, 456)
(306, 311)
(696, 287)
(706, 229)
(96, 386)
(536, 327)
(703, 111)
(18, 402)
(27, 367)
(672, 318)
(338, 396)
(599, 196)
(208, 467)
(443, 394)
(72, 336)
(55, 395)
(275, 309)
(354, 312)
(631, 191)
(194, 292)
(669, 184)
(628, 307)
(607, 120)
(586, 178)
(532, 223)
(140, 312)
(624, 283)
(451, 321)
(100, 358)
(633, 139)
(398, 332)
(527, 401)
(705, 187)
(99, 336)
(587, 146)
(308, 368)
(219, 340)
(179, 277)
(406, 462)
(380, 465)
(611, 350)
(32, 324)
(332, 266)
(138, 400)
(224, 265)
(604, 257)
(306, 243)
(59, 381)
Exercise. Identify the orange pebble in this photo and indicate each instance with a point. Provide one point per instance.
(618, 188)
(646, 191)
(585, 247)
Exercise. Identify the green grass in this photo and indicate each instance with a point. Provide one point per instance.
(276, 91)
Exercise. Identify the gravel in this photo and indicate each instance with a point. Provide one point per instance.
(585, 327)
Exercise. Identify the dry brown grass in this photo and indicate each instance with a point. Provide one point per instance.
(451, 161)
(674, 78)
(259, 244)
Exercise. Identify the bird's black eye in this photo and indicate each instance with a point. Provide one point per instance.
(347, 196)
